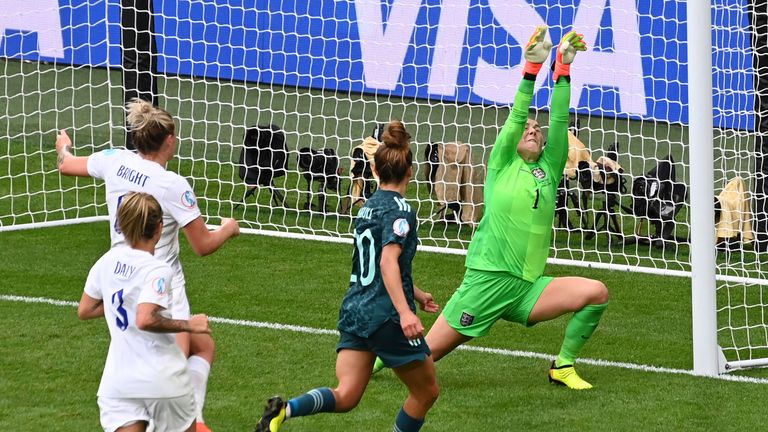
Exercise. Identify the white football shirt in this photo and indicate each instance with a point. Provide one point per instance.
(124, 171)
(140, 364)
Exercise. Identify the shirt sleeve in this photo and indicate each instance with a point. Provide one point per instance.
(505, 148)
(180, 201)
(396, 226)
(100, 162)
(556, 151)
(91, 286)
(156, 286)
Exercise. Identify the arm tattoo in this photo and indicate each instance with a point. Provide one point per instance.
(162, 324)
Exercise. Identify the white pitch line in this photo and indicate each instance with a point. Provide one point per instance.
(274, 326)
(473, 348)
(23, 299)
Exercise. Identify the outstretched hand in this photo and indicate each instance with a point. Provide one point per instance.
(63, 141)
(427, 303)
(571, 43)
(538, 48)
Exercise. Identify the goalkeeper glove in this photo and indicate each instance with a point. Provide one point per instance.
(536, 51)
(571, 43)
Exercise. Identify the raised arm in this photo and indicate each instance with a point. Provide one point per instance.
(505, 148)
(69, 164)
(556, 151)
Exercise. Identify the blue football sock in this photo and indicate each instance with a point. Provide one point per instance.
(406, 423)
(312, 402)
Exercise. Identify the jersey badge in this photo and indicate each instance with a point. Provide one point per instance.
(158, 284)
(466, 319)
(539, 173)
(188, 199)
(401, 227)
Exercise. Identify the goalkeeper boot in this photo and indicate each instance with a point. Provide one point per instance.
(378, 365)
(566, 375)
(273, 417)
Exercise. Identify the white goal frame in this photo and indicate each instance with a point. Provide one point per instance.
(708, 357)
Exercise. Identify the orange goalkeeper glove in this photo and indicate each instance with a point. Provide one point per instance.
(571, 43)
(536, 51)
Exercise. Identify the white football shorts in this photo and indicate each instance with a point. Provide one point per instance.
(167, 415)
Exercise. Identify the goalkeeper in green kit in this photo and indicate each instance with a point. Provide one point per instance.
(506, 258)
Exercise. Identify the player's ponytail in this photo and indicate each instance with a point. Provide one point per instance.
(139, 216)
(149, 125)
(394, 157)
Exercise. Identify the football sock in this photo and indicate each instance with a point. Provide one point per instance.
(577, 333)
(198, 374)
(312, 402)
(406, 423)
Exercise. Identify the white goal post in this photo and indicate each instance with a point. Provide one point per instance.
(703, 285)
(666, 102)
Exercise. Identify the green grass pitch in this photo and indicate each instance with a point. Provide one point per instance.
(52, 362)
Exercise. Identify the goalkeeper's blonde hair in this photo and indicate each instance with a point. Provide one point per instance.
(149, 125)
(139, 216)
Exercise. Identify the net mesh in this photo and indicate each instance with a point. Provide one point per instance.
(327, 73)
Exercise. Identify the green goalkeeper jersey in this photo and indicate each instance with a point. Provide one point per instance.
(515, 233)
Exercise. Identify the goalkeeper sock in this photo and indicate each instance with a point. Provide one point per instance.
(577, 333)
(199, 369)
(312, 402)
(406, 423)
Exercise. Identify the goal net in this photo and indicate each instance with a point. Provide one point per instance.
(327, 73)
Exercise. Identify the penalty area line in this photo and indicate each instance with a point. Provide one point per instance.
(472, 348)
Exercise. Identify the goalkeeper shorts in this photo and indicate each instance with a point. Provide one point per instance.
(485, 297)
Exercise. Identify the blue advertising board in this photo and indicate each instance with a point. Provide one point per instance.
(466, 51)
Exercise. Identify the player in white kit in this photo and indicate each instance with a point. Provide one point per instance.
(145, 376)
(124, 171)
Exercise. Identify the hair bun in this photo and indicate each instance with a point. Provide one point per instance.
(149, 125)
(396, 136)
(140, 113)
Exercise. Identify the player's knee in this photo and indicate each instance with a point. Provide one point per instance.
(598, 292)
(427, 394)
(346, 399)
(431, 394)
